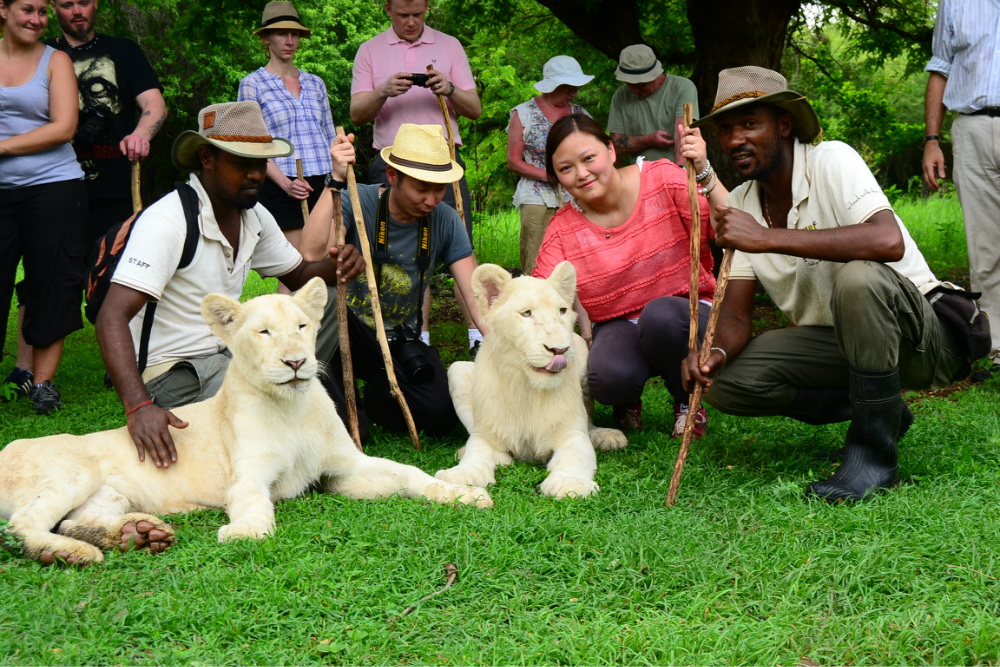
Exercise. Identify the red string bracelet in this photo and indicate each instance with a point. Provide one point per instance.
(128, 413)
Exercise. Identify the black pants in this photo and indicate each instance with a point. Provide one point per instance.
(287, 210)
(625, 355)
(104, 214)
(430, 404)
(376, 174)
(45, 225)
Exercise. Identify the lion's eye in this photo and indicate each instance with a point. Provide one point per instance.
(526, 313)
(301, 327)
(562, 311)
(264, 332)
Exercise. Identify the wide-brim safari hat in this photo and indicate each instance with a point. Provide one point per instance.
(235, 127)
(562, 71)
(740, 86)
(421, 151)
(638, 64)
(278, 15)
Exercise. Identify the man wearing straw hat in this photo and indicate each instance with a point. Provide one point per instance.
(186, 362)
(647, 110)
(411, 232)
(813, 226)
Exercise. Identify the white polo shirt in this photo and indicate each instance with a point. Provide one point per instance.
(149, 264)
(831, 187)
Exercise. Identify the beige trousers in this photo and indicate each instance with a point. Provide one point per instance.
(976, 145)
(534, 221)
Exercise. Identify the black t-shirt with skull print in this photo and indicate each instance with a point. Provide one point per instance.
(111, 72)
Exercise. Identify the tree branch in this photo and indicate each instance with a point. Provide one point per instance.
(872, 22)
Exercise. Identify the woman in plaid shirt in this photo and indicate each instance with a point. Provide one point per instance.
(295, 106)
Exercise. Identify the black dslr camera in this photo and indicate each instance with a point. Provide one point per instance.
(403, 343)
(420, 79)
(95, 120)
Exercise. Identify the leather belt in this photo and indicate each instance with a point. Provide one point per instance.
(992, 112)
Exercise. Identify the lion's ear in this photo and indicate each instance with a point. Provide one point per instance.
(312, 297)
(487, 282)
(224, 316)
(563, 280)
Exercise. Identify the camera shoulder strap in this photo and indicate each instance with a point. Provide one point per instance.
(381, 254)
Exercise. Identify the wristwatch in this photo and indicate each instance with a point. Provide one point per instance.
(332, 182)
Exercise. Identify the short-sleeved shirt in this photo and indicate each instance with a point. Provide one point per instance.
(831, 187)
(398, 291)
(306, 120)
(634, 116)
(110, 72)
(536, 127)
(149, 264)
(386, 54)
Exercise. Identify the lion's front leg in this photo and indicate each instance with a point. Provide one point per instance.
(476, 467)
(248, 501)
(572, 468)
(372, 477)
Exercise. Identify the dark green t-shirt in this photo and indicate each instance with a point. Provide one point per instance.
(401, 276)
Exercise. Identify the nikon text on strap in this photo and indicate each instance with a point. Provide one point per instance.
(381, 255)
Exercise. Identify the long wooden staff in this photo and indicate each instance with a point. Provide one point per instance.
(136, 194)
(694, 402)
(359, 222)
(345, 340)
(305, 202)
(459, 208)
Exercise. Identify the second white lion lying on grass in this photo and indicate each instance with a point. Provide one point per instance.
(270, 433)
(523, 397)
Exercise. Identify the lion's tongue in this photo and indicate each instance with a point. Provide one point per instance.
(557, 364)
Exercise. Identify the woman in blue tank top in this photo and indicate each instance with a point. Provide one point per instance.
(43, 200)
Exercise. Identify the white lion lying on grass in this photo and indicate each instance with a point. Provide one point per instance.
(523, 397)
(269, 433)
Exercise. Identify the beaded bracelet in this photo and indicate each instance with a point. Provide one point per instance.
(149, 401)
(704, 174)
(707, 190)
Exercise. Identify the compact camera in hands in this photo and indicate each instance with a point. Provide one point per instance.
(405, 346)
(95, 120)
(420, 79)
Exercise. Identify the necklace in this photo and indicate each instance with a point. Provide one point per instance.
(607, 229)
(763, 207)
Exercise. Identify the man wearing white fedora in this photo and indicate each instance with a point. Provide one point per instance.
(184, 362)
(411, 232)
(813, 226)
(646, 111)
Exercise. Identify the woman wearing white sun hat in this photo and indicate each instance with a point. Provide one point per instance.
(535, 198)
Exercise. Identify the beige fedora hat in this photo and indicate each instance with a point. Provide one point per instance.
(739, 86)
(638, 64)
(235, 127)
(279, 15)
(421, 151)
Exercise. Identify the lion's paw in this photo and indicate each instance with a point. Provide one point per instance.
(466, 476)
(560, 486)
(244, 530)
(146, 532)
(607, 439)
(78, 555)
(465, 494)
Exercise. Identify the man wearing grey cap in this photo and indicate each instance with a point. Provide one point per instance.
(646, 111)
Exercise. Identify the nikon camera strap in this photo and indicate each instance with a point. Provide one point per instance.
(381, 254)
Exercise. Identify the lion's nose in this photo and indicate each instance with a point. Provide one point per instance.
(556, 350)
(294, 364)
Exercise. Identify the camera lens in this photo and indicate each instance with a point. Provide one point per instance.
(415, 366)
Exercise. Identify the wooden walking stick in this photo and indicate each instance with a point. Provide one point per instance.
(345, 341)
(359, 222)
(305, 202)
(694, 402)
(136, 194)
(459, 208)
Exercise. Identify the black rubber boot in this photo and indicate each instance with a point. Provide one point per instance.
(905, 422)
(870, 459)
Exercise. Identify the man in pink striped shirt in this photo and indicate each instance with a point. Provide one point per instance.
(383, 91)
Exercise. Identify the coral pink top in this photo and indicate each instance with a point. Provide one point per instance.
(645, 258)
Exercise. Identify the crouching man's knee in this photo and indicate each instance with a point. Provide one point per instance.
(862, 286)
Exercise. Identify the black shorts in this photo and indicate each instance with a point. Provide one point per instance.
(45, 225)
(376, 174)
(288, 210)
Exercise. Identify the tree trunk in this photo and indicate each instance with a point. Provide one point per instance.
(607, 25)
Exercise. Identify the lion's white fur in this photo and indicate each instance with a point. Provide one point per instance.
(510, 408)
(260, 439)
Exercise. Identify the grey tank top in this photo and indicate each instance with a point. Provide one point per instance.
(25, 108)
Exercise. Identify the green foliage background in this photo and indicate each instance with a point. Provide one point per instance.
(866, 83)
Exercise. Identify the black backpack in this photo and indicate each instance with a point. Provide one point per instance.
(961, 312)
(108, 249)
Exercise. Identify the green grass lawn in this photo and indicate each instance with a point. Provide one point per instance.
(742, 570)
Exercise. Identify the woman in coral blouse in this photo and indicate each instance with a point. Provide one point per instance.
(628, 236)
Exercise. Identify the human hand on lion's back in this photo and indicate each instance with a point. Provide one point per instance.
(148, 427)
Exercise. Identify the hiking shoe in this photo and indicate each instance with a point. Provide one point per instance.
(627, 417)
(45, 397)
(680, 419)
(474, 350)
(22, 380)
(108, 384)
(975, 378)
